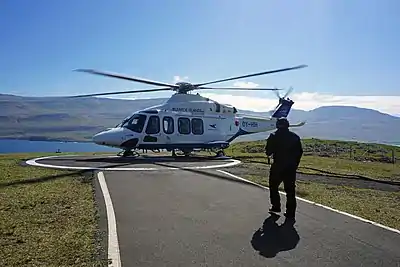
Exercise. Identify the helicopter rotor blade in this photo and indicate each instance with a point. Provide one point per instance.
(252, 75)
(129, 78)
(122, 92)
(288, 92)
(277, 94)
(239, 88)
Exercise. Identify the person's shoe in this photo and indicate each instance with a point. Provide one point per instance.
(275, 210)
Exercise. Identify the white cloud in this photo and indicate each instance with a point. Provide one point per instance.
(178, 78)
(309, 101)
(304, 100)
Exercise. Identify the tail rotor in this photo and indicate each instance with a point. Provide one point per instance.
(284, 105)
(277, 94)
(289, 91)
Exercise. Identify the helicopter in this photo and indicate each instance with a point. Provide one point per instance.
(186, 122)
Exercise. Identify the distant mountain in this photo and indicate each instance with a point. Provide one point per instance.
(343, 123)
(80, 118)
(61, 118)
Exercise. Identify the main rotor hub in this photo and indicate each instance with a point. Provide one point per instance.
(184, 87)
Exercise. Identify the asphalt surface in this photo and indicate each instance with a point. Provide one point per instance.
(202, 218)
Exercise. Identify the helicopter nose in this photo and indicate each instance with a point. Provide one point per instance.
(100, 138)
(111, 137)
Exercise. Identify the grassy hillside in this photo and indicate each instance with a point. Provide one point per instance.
(373, 161)
(330, 149)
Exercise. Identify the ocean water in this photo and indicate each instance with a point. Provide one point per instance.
(26, 146)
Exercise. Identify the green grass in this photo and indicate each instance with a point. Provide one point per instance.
(378, 206)
(319, 163)
(46, 223)
(331, 149)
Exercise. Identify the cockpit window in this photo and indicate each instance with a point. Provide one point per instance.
(135, 123)
(122, 123)
(153, 126)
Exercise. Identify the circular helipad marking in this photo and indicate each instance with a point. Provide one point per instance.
(34, 162)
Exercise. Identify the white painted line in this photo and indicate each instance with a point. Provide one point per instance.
(113, 246)
(33, 162)
(316, 204)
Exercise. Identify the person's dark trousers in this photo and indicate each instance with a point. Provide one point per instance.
(288, 177)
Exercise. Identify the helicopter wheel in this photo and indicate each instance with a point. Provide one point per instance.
(221, 153)
(128, 153)
(218, 153)
(187, 152)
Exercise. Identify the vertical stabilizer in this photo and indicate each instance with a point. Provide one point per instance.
(283, 109)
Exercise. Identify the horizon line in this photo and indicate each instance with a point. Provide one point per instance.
(162, 98)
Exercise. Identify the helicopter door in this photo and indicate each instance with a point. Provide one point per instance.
(168, 129)
(197, 127)
(152, 133)
(183, 135)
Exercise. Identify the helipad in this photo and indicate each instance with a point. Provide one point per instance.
(142, 163)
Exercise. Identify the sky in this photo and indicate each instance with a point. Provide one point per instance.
(350, 47)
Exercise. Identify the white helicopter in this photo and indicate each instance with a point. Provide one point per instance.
(187, 122)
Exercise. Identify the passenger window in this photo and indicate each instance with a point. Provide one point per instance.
(218, 107)
(153, 126)
(168, 125)
(197, 126)
(184, 126)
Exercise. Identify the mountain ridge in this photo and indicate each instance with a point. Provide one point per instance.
(57, 118)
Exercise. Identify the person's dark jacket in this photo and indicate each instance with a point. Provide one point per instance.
(285, 148)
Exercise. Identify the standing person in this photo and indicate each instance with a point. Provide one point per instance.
(286, 150)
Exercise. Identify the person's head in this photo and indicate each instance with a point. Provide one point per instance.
(282, 124)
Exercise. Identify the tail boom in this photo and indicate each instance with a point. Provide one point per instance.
(252, 124)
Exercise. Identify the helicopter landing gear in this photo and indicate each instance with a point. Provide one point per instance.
(128, 153)
(220, 153)
(187, 152)
(173, 153)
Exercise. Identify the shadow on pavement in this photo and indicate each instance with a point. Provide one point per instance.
(273, 238)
